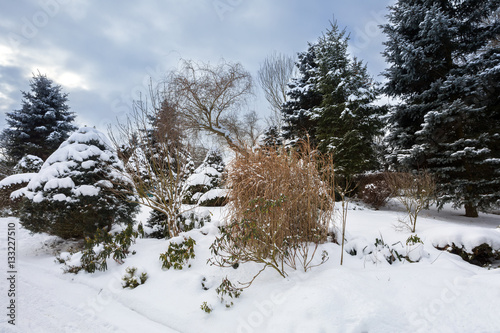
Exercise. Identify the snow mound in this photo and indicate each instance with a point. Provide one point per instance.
(466, 237)
(214, 194)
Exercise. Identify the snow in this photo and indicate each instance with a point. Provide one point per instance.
(213, 194)
(16, 179)
(440, 293)
(198, 179)
(87, 190)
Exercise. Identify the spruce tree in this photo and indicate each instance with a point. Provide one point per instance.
(208, 176)
(447, 78)
(79, 189)
(331, 103)
(42, 124)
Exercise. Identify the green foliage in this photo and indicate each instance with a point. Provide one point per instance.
(397, 252)
(131, 281)
(28, 164)
(178, 255)
(331, 104)
(103, 246)
(215, 201)
(414, 240)
(205, 307)
(227, 289)
(211, 171)
(445, 76)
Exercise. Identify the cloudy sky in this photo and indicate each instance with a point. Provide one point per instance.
(103, 53)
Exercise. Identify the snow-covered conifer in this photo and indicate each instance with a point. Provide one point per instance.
(42, 124)
(447, 78)
(207, 177)
(331, 104)
(79, 189)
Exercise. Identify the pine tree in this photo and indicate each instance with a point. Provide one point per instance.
(79, 189)
(448, 81)
(42, 124)
(331, 104)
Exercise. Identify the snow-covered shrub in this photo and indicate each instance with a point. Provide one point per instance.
(227, 289)
(132, 281)
(481, 255)
(374, 190)
(207, 177)
(178, 254)
(279, 211)
(379, 251)
(157, 222)
(29, 164)
(103, 245)
(8, 185)
(214, 198)
(79, 189)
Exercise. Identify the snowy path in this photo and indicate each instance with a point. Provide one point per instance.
(441, 293)
(41, 307)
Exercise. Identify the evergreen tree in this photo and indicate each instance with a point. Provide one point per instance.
(447, 76)
(331, 103)
(272, 137)
(79, 189)
(41, 125)
(208, 176)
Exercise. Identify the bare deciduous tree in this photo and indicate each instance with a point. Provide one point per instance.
(273, 75)
(157, 165)
(414, 191)
(211, 97)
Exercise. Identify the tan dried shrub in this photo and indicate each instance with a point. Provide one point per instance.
(281, 204)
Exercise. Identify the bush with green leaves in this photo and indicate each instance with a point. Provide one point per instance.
(178, 254)
(227, 291)
(132, 281)
(102, 246)
(205, 307)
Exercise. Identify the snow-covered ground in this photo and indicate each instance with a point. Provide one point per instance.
(441, 293)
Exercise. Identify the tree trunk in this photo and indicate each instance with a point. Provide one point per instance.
(471, 211)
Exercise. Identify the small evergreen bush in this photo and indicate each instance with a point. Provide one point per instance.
(207, 177)
(99, 248)
(78, 190)
(132, 281)
(178, 255)
(227, 289)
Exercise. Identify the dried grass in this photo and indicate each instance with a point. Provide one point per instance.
(281, 204)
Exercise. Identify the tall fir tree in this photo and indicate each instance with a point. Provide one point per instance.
(331, 102)
(43, 122)
(446, 74)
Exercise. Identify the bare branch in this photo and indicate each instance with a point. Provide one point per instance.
(274, 74)
(209, 96)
